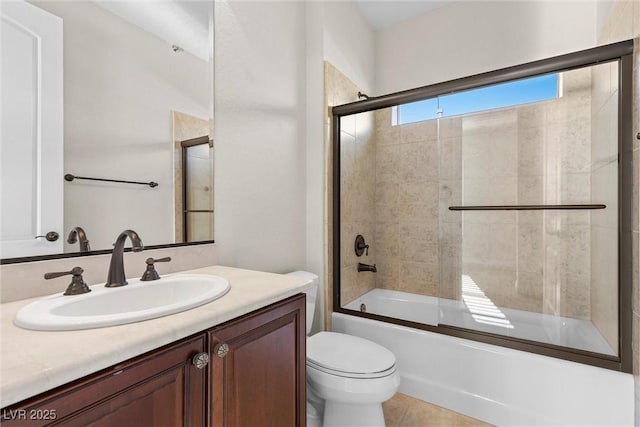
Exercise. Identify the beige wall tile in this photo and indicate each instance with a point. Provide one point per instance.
(503, 153)
(532, 115)
(450, 127)
(387, 240)
(419, 277)
(358, 186)
(568, 149)
(382, 119)
(387, 164)
(388, 275)
(503, 244)
(578, 80)
(576, 188)
(419, 161)
(451, 158)
(503, 190)
(529, 287)
(419, 193)
(426, 130)
(475, 191)
(418, 241)
(531, 151)
(531, 190)
(476, 147)
(450, 195)
(531, 247)
(576, 106)
(475, 243)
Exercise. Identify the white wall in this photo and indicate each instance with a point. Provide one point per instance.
(120, 86)
(466, 38)
(260, 112)
(603, 10)
(338, 33)
(269, 115)
(349, 42)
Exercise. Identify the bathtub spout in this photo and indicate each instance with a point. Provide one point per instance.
(367, 267)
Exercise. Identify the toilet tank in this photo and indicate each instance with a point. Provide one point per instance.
(312, 294)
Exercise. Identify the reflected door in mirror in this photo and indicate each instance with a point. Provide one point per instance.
(32, 122)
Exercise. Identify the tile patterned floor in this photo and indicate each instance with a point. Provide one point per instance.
(405, 411)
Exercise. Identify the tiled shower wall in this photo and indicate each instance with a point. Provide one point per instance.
(531, 154)
(357, 183)
(406, 205)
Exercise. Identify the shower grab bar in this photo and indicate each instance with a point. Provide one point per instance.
(69, 177)
(525, 207)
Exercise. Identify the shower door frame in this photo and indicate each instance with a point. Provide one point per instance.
(621, 52)
(184, 147)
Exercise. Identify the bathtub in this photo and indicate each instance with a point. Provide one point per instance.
(477, 312)
(495, 384)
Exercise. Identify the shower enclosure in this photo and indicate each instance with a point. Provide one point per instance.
(197, 189)
(495, 207)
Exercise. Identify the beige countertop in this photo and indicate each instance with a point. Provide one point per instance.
(32, 362)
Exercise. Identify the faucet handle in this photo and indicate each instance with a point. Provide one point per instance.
(151, 273)
(360, 246)
(77, 286)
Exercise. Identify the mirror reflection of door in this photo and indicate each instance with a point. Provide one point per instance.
(31, 132)
(197, 189)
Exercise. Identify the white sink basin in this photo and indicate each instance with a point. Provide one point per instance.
(127, 304)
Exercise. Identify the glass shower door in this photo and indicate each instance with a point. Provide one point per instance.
(389, 196)
(530, 249)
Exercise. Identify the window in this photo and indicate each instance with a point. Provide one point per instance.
(534, 89)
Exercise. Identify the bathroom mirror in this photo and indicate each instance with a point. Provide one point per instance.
(136, 83)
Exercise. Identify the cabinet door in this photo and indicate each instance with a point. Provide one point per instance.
(260, 381)
(161, 388)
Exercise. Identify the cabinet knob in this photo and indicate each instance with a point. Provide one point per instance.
(221, 350)
(200, 360)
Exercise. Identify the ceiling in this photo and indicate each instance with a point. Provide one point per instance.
(385, 13)
(186, 23)
(181, 23)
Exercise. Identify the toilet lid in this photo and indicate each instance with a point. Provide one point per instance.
(348, 354)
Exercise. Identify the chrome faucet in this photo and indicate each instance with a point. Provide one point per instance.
(116, 275)
(77, 234)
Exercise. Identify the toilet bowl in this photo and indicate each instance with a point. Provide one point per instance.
(348, 377)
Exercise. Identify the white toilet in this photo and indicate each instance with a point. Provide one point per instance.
(348, 377)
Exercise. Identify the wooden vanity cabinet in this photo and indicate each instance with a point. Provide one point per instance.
(160, 388)
(258, 381)
(258, 364)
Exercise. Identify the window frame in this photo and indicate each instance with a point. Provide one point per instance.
(396, 114)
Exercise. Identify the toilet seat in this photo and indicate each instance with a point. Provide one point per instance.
(352, 374)
(349, 356)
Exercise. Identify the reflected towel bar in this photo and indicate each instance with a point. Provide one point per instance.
(525, 207)
(70, 178)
